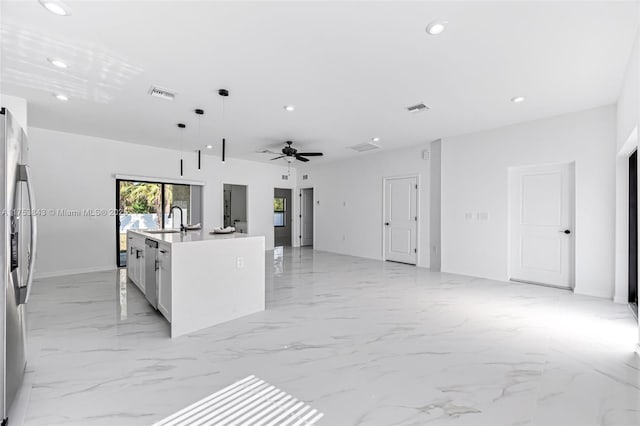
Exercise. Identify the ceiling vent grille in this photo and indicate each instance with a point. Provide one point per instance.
(162, 93)
(363, 147)
(418, 108)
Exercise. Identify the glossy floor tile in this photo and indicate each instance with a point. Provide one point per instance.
(365, 342)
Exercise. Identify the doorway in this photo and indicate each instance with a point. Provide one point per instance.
(401, 219)
(306, 217)
(541, 224)
(633, 231)
(235, 207)
(282, 217)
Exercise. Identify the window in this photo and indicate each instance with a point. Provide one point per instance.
(146, 205)
(279, 210)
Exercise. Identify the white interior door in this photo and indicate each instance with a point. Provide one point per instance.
(401, 219)
(541, 209)
(306, 219)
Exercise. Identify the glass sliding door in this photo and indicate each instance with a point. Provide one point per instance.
(146, 205)
(138, 206)
(180, 196)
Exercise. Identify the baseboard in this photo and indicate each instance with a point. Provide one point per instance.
(598, 295)
(62, 273)
(620, 301)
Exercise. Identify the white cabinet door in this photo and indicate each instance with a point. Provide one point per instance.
(164, 286)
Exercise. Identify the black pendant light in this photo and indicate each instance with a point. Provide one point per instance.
(224, 93)
(181, 126)
(199, 112)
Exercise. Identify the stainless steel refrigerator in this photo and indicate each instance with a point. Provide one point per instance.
(17, 256)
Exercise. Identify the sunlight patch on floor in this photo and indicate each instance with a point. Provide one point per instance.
(250, 401)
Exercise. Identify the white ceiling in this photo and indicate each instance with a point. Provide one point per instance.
(350, 69)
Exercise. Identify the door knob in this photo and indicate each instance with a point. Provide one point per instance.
(386, 224)
(566, 231)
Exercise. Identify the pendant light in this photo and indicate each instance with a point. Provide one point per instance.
(181, 126)
(199, 112)
(223, 93)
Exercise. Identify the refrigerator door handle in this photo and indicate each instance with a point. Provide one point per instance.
(24, 175)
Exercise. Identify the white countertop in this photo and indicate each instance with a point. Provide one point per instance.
(192, 236)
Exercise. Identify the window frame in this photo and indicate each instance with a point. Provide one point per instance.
(161, 219)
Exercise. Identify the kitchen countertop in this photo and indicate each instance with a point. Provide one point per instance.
(192, 236)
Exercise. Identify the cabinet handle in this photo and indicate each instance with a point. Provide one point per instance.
(163, 251)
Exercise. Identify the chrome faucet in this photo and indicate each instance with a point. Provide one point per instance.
(182, 227)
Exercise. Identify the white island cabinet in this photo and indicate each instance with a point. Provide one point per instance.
(197, 280)
(135, 259)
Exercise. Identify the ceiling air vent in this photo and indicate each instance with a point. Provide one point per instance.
(418, 108)
(365, 147)
(162, 93)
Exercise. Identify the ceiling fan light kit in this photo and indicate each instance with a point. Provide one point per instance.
(290, 153)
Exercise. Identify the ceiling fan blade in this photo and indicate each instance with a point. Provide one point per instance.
(277, 158)
(310, 154)
(267, 151)
(302, 158)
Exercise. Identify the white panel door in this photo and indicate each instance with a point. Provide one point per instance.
(306, 219)
(542, 224)
(401, 219)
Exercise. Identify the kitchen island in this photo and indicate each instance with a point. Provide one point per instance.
(197, 279)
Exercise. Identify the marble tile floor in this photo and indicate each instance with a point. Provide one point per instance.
(363, 341)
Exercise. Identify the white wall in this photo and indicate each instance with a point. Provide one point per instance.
(348, 200)
(628, 107)
(73, 171)
(474, 179)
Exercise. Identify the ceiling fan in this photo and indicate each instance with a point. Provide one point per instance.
(290, 153)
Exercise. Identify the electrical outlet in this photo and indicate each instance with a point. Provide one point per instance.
(239, 262)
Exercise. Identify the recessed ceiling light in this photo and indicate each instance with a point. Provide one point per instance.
(62, 97)
(58, 63)
(209, 146)
(517, 99)
(57, 7)
(376, 139)
(436, 27)
(289, 108)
